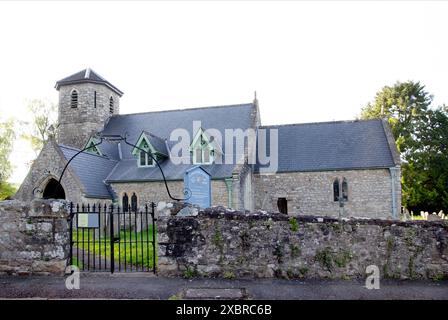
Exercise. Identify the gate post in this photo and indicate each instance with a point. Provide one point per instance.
(154, 267)
(111, 235)
(71, 235)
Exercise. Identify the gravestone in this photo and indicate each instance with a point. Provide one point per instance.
(197, 186)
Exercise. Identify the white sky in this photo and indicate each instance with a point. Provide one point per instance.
(308, 61)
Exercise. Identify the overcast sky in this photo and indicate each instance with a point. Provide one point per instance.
(308, 61)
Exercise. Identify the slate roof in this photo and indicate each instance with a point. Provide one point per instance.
(157, 142)
(163, 123)
(92, 170)
(338, 145)
(87, 75)
(128, 171)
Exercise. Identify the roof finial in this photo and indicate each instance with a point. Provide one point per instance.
(255, 98)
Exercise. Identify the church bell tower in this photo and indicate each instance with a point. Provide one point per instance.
(86, 102)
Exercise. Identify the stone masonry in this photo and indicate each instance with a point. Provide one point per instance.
(226, 243)
(49, 165)
(372, 192)
(34, 237)
(311, 193)
(76, 125)
(155, 191)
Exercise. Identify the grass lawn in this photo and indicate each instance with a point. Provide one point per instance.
(132, 249)
(76, 262)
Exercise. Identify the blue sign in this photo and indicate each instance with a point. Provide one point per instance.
(198, 187)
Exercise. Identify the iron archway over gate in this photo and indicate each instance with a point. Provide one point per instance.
(109, 238)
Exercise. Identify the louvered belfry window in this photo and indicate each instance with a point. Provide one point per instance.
(111, 105)
(74, 99)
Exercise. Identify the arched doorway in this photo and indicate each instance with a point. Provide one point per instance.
(53, 190)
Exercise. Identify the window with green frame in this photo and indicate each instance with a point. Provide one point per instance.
(145, 159)
(93, 149)
(202, 152)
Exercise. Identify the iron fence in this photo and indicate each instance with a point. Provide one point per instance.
(111, 238)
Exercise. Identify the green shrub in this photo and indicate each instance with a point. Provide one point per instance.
(329, 260)
(229, 275)
(191, 272)
(294, 225)
(295, 250)
(343, 258)
(324, 258)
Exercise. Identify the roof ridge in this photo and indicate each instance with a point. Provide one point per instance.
(185, 109)
(91, 154)
(317, 123)
(78, 72)
(87, 75)
(155, 136)
(96, 73)
(112, 171)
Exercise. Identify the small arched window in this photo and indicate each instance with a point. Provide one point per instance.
(344, 190)
(111, 105)
(336, 189)
(134, 202)
(74, 99)
(125, 202)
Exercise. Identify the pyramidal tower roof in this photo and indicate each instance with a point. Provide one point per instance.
(89, 76)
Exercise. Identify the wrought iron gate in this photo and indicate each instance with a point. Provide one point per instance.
(110, 238)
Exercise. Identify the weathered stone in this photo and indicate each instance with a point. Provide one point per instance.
(76, 124)
(433, 217)
(220, 242)
(29, 255)
(53, 267)
(28, 243)
(311, 193)
(188, 211)
(155, 191)
(44, 227)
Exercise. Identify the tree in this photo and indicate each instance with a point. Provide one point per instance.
(425, 175)
(7, 136)
(6, 139)
(405, 105)
(421, 134)
(7, 190)
(42, 125)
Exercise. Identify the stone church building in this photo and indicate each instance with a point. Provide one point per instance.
(321, 166)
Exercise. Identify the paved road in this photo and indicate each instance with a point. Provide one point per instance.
(146, 286)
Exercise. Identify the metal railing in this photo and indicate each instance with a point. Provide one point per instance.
(110, 238)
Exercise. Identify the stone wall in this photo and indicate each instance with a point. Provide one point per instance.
(311, 193)
(34, 237)
(148, 192)
(76, 124)
(49, 165)
(220, 242)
